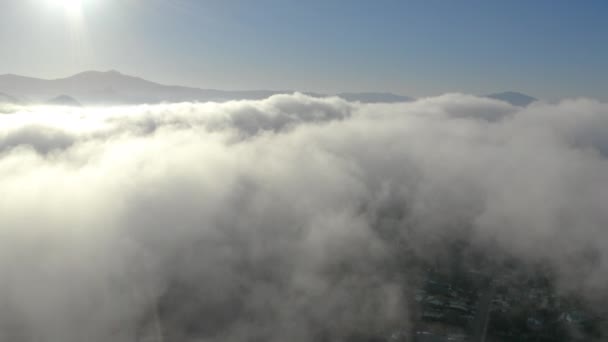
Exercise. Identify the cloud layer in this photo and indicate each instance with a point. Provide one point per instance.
(285, 218)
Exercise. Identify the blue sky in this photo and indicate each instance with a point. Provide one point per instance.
(549, 49)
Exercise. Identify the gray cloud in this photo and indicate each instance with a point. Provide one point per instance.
(285, 218)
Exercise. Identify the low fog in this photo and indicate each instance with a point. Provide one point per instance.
(285, 219)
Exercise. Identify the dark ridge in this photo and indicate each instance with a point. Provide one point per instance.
(64, 100)
(513, 97)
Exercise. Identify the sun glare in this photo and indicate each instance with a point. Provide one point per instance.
(71, 7)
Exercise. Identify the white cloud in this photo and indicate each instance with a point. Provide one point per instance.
(280, 218)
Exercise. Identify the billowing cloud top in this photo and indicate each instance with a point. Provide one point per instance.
(281, 219)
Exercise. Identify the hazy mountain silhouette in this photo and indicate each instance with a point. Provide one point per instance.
(5, 98)
(113, 87)
(64, 100)
(514, 98)
(375, 97)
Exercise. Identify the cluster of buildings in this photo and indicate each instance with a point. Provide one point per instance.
(474, 307)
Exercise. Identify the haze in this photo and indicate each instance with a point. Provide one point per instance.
(551, 49)
(323, 171)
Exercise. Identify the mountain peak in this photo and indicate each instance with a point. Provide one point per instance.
(513, 97)
(64, 100)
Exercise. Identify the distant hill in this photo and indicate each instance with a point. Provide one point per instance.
(514, 98)
(5, 98)
(64, 100)
(375, 97)
(113, 87)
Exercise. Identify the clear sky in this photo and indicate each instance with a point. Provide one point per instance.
(549, 49)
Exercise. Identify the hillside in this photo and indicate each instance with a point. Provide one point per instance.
(113, 87)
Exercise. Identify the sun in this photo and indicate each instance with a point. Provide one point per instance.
(71, 7)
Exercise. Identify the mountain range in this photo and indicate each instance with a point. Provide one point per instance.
(114, 88)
